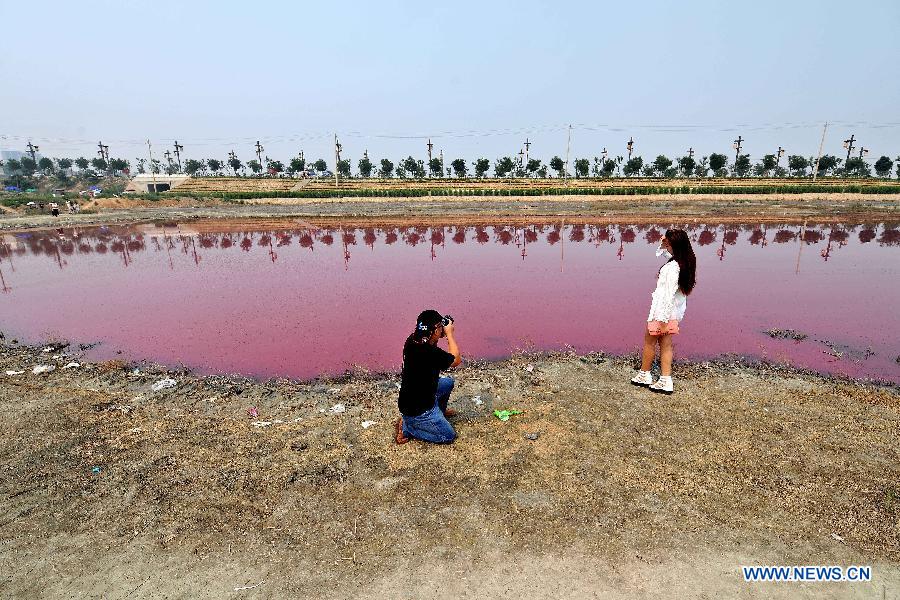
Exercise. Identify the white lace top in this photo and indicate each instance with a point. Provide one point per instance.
(668, 301)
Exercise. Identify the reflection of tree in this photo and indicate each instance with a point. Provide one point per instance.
(756, 237)
(481, 236)
(327, 239)
(889, 237)
(706, 237)
(730, 237)
(866, 235)
(653, 235)
(101, 248)
(437, 237)
(576, 234)
(225, 242)
(459, 236)
(628, 236)
(812, 236)
(783, 236)
(553, 236)
(503, 236)
(369, 238)
(246, 244)
(349, 238)
(391, 237)
(264, 240)
(412, 238)
(530, 235)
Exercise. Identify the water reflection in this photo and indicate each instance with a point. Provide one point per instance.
(126, 243)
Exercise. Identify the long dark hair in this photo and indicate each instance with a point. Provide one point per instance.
(683, 254)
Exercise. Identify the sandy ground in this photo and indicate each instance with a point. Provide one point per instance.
(632, 209)
(113, 490)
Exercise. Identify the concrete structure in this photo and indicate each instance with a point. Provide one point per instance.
(143, 184)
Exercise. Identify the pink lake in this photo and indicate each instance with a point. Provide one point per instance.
(293, 300)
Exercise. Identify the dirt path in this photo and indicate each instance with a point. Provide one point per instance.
(113, 490)
(631, 209)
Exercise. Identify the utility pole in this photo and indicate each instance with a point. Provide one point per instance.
(604, 154)
(819, 157)
(259, 151)
(178, 149)
(691, 152)
(168, 155)
(32, 150)
(863, 151)
(527, 146)
(568, 147)
(848, 144)
(521, 158)
(630, 146)
(337, 159)
(778, 156)
(430, 146)
(737, 148)
(152, 170)
(104, 155)
(442, 162)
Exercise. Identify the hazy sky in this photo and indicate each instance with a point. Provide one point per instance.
(477, 76)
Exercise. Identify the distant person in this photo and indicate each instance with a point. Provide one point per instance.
(423, 392)
(674, 283)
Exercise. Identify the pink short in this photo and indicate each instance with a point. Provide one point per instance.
(656, 328)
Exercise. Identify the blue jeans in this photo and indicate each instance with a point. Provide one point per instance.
(432, 425)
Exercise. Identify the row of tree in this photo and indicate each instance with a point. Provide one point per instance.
(661, 166)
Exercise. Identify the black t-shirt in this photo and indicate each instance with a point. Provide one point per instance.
(422, 364)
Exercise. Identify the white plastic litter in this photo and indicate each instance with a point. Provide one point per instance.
(43, 369)
(367, 424)
(163, 384)
(261, 423)
(47, 350)
(72, 365)
(337, 409)
(477, 400)
(14, 372)
(529, 368)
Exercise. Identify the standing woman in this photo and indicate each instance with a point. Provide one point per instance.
(674, 283)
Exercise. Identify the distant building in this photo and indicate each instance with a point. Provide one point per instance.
(5, 155)
(146, 183)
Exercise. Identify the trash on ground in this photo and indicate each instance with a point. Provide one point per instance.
(163, 384)
(253, 412)
(786, 334)
(72, 365)
(96, 470)
(337, 409)
(837, 537)
(532, 436)
(14, 372)
(504, 415)
(529, 368)
(367, 424)
(477, 400)
(261, 423)
(43, 369)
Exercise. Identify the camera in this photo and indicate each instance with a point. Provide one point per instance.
(446, 320)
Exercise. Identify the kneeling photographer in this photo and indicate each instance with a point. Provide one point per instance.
(423, 392)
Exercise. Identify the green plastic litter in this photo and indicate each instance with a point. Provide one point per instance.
(504, 415)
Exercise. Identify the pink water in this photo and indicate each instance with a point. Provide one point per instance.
(301, 302)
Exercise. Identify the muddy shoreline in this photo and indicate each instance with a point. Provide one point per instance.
(113, 488)
(601, 209)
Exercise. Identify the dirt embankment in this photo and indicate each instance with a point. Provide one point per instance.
(632, 209)
(111, 489)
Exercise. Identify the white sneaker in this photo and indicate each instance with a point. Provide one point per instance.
(643, 379)
(663, 385)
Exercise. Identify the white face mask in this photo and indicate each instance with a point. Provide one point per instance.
(663, 252)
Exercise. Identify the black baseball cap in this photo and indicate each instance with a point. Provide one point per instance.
(427, 322)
